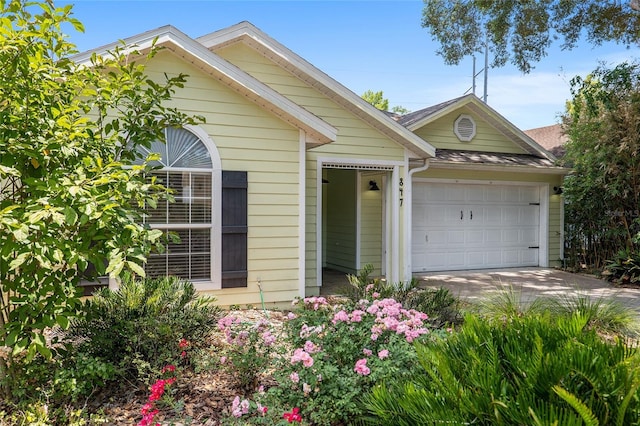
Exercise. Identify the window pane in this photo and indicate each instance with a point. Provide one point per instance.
(189, 259)
(188, 176)
(200, 267)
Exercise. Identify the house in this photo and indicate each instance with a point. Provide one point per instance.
(293, 173)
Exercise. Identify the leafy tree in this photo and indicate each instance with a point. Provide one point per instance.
(69, 196)
(522, 31)
(603, 191)
(378, 100)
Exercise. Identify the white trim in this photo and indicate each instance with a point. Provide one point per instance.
(395, 224)
(320, 132)
(391, 225)
(286, 58)
(319, 202)
(408, 217)
(450, 165)
(216, 209)
(543, 254)
(383, 246)
(302, 214)
(358, 219)
(456, 128)
(562, 229)
(543, 217)
(492, 117)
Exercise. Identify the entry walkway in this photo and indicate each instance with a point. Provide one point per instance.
(529, 284)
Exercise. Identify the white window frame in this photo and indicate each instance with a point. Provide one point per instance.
(215, 280)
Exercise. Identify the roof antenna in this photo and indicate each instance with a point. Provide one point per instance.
(485, 70)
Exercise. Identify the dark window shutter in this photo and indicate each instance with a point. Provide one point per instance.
(234, 229)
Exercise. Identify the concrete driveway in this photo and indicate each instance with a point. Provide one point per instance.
(528, 283)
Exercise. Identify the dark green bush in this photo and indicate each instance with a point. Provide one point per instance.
(138, 327)
(540, 369)
(624, 268)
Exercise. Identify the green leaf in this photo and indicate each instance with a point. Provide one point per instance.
(18, 261)
(11, 338)
(62, 321)
(22, 233)
(70, 215)
(136, 268)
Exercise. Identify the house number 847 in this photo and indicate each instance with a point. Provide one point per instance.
(401, 184)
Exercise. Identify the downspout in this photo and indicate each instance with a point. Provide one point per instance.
(409, 219)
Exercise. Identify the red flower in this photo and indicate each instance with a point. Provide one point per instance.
(168, 368)
(293, 416)
(184, 343)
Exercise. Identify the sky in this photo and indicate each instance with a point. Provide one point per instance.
(364, 45)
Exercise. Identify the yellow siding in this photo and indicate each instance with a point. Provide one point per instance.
(554, 219)
(441, 135)
(355, 139)
(371, 221)
(249, 138)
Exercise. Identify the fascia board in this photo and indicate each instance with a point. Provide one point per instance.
(499, 168)
(492, 117)
(318, 79)
(241, 81)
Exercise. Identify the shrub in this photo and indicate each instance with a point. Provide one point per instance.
(536, 368)
(439, 304)
(140, 326)
(330, 356)
(624, 268)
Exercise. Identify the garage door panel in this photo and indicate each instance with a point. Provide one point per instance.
(462, 226)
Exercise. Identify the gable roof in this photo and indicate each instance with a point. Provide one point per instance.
(318, 131)
(418, 119)
(245, 32)
(548, 136)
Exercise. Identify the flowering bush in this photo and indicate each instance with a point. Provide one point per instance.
(247, 354)
(331, 355)
(149, 410)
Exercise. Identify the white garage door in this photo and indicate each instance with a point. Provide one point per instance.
(464, 226)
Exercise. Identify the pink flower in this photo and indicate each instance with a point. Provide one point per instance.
(261, 409)
(311, 347)
(361, 367)
(268, 338)
(223, 359)
(147, 419)
(295, 378)
(340, 316)
(356, 316)
(367, 352)
(383, 354)
(238, 408)
(375, 295)
(299, 355)
(291, 316)
(146, 408)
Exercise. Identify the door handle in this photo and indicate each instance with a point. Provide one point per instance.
(471, 214)
(461, 215)
(426, 238)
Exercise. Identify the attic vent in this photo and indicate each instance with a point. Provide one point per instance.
(465, 128)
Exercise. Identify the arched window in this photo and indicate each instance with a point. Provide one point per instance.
(193, 174)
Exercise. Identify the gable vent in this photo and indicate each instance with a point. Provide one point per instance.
(465, 128)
